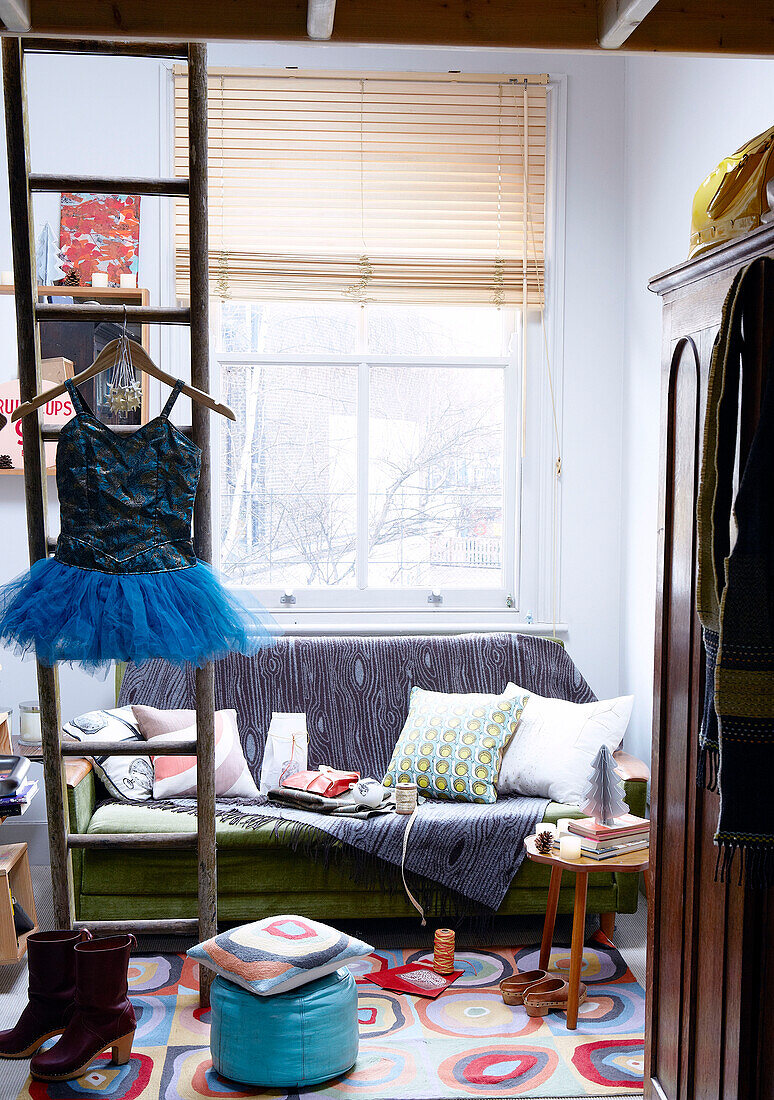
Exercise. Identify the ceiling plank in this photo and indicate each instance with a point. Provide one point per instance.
(569, 24)
(319, 19)
(15, 15)
(618, 19)
(719, 27)
(725, 28)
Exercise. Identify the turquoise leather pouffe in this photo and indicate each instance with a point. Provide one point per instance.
(288, 1040)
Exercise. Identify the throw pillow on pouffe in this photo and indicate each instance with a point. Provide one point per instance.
(452, 745)
(277, 954)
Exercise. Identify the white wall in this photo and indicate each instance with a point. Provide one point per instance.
(116, 129)
(593, 313)
(683, 115)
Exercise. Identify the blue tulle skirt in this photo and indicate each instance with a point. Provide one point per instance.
(88, 618)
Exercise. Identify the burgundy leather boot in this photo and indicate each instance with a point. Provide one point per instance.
(103, 1016)
(51, 959)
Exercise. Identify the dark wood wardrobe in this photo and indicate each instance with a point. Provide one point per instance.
(710, 1003)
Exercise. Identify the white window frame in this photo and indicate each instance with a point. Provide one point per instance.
(536, 501)
(360, 598)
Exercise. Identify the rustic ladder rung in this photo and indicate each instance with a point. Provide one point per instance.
(147, 315)
(175, 926)
(183, 746)
(108, 185)
(50, 433)
(175, 50)
(132, 840)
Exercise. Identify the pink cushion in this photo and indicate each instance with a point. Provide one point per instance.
(175, 776)
(151, 721)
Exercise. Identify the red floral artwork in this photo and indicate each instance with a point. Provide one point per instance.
(100, 233)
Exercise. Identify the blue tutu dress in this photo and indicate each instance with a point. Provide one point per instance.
(125, 583)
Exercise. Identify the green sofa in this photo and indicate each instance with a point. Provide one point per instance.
(340, 680)
(258, 875)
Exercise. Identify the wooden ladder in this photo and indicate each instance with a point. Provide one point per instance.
(22, 183)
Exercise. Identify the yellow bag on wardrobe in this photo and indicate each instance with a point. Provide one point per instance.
(733, 199)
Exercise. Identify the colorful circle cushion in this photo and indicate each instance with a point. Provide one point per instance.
(278, 953)
(290, 1041)
(452, 745)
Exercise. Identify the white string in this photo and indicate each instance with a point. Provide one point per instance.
(409, 895)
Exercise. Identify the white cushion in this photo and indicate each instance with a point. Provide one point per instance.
(129, 778)
(551, 753)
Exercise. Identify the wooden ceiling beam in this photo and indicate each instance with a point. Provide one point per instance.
(719, 27)
(319, 19)
(618, 19)
(15, 15)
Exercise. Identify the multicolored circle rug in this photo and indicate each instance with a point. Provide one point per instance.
(467, 1043)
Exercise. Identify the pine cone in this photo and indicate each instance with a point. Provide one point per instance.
(544, 842)
(72, 278)
(5, 462)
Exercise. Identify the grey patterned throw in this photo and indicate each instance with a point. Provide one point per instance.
(355, 692)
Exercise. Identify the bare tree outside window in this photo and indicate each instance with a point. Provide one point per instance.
(294, 461)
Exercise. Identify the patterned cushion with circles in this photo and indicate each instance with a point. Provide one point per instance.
(276, 954)
(452, 745)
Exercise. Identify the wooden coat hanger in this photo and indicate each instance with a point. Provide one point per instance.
(106, 359)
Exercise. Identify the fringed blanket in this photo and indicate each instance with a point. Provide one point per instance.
(736, 589)
(460, 857)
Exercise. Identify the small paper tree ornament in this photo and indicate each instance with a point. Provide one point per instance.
(48, 257)
(604, 794)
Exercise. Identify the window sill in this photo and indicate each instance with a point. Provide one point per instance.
(312, 624)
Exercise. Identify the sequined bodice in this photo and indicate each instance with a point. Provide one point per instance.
(126, 501)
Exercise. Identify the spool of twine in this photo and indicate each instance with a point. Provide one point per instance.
(443, 951)
(405, 798)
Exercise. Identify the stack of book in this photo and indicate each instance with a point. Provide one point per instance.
(628, 834)
(15, 804)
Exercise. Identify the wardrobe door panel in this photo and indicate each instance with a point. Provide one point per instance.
(677, 705)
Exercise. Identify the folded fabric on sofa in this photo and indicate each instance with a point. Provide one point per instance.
(468, 850)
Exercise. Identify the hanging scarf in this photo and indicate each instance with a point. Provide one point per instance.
(735, 596)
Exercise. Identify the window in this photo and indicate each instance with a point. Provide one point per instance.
(372, 456)
(375, 243)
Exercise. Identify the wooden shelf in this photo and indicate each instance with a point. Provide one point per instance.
(15, 878)
(133, 293)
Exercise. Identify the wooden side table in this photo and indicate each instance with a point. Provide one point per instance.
(633, 862)
(15, 878)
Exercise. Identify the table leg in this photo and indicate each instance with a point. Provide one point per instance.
(548, 925)
(576, 952)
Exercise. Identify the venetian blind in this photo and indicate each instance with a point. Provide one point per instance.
(384, 187)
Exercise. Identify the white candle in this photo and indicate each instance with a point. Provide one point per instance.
(29, 722)
(547, 827)
(563, 825)
(128, 278)
(570, 847)
(6, 278)
(99, 278)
